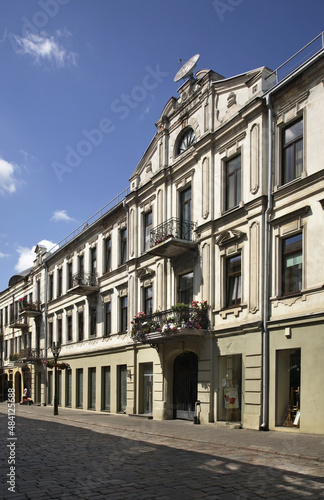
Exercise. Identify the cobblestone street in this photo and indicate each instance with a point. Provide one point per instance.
(70, 459)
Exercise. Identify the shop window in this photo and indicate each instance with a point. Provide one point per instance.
(122, 388)
(105, 378)
(292, 266)
(92, 389)
(79, 388)
(68, 388)
(292, 151)
(230, 388)
(288, 376)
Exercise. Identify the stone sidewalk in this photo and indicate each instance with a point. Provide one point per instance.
(287, 442)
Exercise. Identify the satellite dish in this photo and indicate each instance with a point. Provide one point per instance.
(187, 69)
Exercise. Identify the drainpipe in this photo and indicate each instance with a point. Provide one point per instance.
(266, 279)
(45, 332)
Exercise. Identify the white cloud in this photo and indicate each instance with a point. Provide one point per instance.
(62, 215)
(27, 255)
(43, 47)
(3, 255)
(8, 183)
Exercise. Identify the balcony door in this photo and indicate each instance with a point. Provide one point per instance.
(185, 380)
(185, 214)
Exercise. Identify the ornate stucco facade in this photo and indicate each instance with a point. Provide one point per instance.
(199, 294)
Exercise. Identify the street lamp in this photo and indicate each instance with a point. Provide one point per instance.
(56, 348)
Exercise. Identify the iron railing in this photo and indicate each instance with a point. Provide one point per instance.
(30, 353)
(84, 279)
(173, 228)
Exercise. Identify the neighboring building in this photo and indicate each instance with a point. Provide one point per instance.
(200, 291)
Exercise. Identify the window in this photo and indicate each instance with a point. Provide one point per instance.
(59, 331)
(93, 263)
(50, 333)
(291, 264)
(187, 139)
(69, 327)
(122, 388)
(123, 246)
(105, 377)
(59, 282)
(148, 301)
(185, 214)
(79, 388)
(185, 290)
(93, 320)
(233, 182)
(147, 230)
(123, 313)
(292, 151)
(107, 255)
(50, 287)
(81, 265)
(108, 318)
(92, 388)
(233, 281)
(80, 326)
(69, 275)
(68, 388)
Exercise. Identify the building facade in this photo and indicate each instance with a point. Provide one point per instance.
(198, 294)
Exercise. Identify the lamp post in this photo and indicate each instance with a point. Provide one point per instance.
(56, 348)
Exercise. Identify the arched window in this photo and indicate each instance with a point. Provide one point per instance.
(186, 140)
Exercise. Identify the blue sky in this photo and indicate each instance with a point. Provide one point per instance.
(83, 83)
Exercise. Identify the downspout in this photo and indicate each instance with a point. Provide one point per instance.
(45, 331)
(266, 276)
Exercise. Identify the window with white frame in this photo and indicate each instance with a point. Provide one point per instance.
(233, 182)
(233, 281)
(292, 151)
(148, 220)
(292, 264)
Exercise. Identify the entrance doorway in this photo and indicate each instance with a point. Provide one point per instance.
(288, 377)
(17, 387)
(147, 387)
(185, 380)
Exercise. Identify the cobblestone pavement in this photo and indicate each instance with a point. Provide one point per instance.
(68, 459)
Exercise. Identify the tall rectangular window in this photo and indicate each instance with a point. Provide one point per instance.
(105, 378)
(123, 313)
(81, 266)
(69, 327)
(92, 388)
(107, 259)
(185, 214)
(50, 333)
(50, 287)
(292, 264)
(59, 282)
(59, 331)
(123, 246)
(80, 326)
(69, 276)
(292, 151)
(233, 182)
(148, 300)
(233, 281)
(122, 388)
(93, 320)
(68, 388)
(93, 263)
(148, 220)
(79, 388)
(108, 318)
(185, 289)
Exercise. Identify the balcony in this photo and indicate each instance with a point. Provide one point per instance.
(173, 237)
(29, 309)
(27, 354)
(181, 322)
(17, 322)
(84, 284)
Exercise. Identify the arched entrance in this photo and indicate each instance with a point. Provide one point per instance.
(185, 379)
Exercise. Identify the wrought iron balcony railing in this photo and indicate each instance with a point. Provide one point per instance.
(84, 279)
(178, 320)
(173, 228)
(28, 353)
